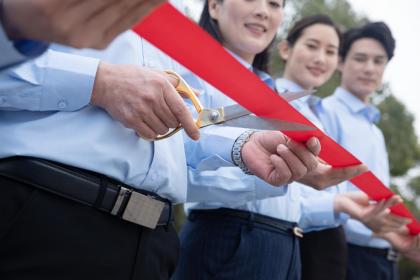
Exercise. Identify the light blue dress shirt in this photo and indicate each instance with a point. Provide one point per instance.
(213, 181)
(352, 124)
(46, 115)
(12, 52)
(313, 209)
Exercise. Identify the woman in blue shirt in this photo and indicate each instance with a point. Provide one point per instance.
(310, 52)
(229, 239)
(232, 232)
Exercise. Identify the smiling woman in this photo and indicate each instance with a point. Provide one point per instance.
(245, 27)
(228, 232)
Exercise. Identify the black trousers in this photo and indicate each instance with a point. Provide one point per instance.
(324, 255)
(44, 236)
(365, 264)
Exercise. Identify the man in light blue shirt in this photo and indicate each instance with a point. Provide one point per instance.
(365, 53)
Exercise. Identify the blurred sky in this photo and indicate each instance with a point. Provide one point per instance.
(403, 72)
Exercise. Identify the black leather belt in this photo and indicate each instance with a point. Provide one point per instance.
(137, 206)
(219, 213)
(387, 253)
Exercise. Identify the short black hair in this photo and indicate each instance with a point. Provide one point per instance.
(296, 31)
(378, 31)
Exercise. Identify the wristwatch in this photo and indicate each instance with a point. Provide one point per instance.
(237, 149)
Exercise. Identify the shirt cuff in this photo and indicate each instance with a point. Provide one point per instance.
(66, 81)
(264, 190)
(219, 140)
(318, 211)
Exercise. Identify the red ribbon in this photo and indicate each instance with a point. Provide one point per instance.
(187, 43)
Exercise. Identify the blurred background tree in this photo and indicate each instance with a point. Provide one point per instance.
(396, 123)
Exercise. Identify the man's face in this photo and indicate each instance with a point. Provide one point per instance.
(363, 67)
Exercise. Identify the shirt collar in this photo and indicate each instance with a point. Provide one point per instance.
(370, 112)
(261, 74)
(285, 85)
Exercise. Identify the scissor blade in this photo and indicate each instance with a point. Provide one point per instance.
(237, 111)
(254, 122)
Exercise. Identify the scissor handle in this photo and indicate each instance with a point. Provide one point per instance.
(185, 91)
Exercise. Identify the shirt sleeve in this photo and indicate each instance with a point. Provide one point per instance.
(317, 209)
(55, 81)
(13, 52)
(212, 177)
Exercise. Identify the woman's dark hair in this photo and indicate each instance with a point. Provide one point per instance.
(296, 31)
(378, 31)
(210, 25)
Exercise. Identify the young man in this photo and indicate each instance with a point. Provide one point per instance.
(365, 53)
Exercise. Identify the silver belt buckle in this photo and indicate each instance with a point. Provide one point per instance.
(141, 209)
(297, 231)
(392, 255)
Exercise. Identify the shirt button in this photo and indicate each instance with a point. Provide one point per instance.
(62, 104)
(2, 100)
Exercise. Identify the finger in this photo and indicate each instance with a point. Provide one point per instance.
(379, 209)
(83, 24)
(398, 220)
(166, 115)
(314, 145)
(358, 197)
(281, 174)
(180, 111)
(341, 174)
(296, 166)
(153, 122)
(269, 140)
(304, 154)
(97, 26)
(82, 11)
(145, 132)
(393, 200)
(128, 18)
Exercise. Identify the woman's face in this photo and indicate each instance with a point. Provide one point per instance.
(247, 27)
(312, 60)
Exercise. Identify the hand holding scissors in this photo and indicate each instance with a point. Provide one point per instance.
(269, 154)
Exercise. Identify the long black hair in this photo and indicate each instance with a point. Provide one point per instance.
(211, 26)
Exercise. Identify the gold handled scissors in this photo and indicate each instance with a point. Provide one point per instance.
(234, 115)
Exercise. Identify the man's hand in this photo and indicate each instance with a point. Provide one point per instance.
(276, 159)
(402, 241)
(408, 245)
(78, 23)
(375, 216)
(326, 176)
(142, 99)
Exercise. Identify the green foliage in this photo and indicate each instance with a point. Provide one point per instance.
(415, 185)
(402, 143)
